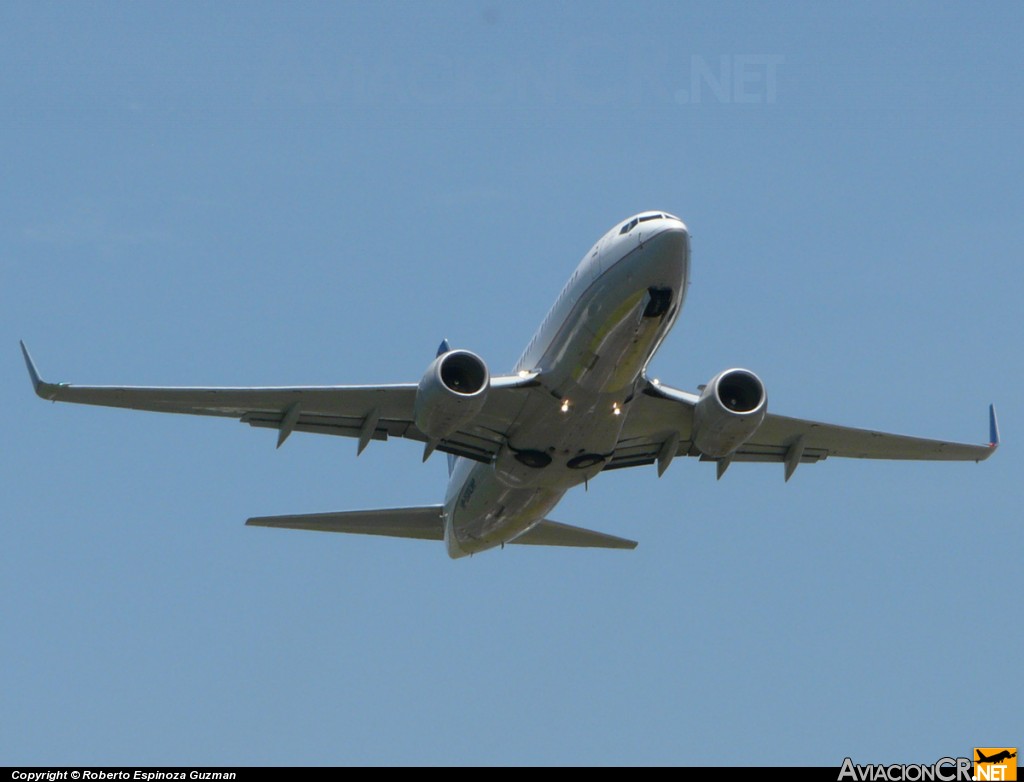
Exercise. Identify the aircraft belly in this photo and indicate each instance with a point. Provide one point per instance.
(486, 512)
(559, 444)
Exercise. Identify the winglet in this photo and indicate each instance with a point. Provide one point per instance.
(38, 384)
(993, 427)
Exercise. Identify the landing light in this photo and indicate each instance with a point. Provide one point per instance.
(565, 405)
(616, 410)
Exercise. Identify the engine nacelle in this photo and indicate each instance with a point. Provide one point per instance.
(731, 408)
(452, 392)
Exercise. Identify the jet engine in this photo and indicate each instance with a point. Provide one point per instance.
(452, 392)
(731, 408)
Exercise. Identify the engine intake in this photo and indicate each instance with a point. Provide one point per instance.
(463, 372)
(730, 410)
(451, 394)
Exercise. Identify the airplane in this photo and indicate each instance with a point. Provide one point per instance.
(999, 757)
(579, 401)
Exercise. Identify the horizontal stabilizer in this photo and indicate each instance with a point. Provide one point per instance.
(552, 533)
(424, 523)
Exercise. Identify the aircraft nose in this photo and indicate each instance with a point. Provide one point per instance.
(673, 223)
(675, 237)
(677, 225)
(669, 252)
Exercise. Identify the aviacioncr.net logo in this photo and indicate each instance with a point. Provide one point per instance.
(942, 770)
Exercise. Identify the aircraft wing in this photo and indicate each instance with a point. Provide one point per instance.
(660, 427)
(362, 412)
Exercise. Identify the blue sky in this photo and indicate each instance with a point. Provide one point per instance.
(260, 193)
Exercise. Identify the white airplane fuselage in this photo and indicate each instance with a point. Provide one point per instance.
(590, 351)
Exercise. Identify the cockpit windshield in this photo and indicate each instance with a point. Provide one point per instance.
(637, 220)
